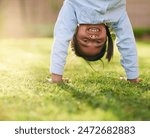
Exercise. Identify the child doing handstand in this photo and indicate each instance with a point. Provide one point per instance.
(86, 24)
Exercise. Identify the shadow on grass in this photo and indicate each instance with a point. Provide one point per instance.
(133, 105)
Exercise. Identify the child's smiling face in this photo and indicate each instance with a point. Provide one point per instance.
(91, 38)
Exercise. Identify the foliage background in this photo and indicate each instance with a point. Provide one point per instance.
(36, 18)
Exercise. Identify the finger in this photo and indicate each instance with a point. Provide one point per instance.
(49, 80)
(123, 78)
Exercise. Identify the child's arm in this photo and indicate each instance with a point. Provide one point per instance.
(127, 47)
(64, 29)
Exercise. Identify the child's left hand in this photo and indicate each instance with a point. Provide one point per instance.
(137, 80)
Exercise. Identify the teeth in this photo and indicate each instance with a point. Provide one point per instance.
(94, 30)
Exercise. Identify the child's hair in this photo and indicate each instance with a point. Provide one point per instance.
(107, 46)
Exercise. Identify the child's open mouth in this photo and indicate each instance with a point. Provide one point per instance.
(94, 29)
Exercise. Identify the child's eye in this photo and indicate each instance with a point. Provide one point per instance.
(85, 40)
(98, 42)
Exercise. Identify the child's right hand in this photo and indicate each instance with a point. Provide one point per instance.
(58, 79)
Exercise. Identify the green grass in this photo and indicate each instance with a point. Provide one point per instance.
(26, 95)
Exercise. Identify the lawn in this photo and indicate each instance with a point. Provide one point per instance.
(25, 93)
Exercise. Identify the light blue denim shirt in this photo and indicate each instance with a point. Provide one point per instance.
(111, 12)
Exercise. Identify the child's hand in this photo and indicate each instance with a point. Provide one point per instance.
(58, 79)
(136, 80)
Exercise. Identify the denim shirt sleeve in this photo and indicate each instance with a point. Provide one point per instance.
(127, 46)
(63, 32)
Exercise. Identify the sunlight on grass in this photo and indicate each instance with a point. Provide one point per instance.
(26, 95)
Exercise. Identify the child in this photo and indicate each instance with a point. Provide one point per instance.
(85, 23)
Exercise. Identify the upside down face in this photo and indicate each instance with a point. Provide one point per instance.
(91, 38)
